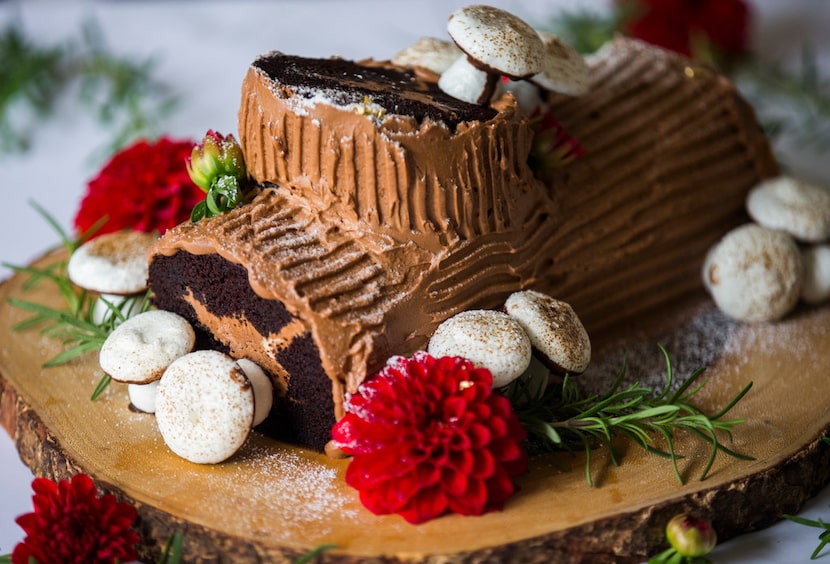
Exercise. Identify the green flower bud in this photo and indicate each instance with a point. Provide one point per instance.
(691, 536)
(217, 166)
(218, 156)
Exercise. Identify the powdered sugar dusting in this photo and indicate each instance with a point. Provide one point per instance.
(697, 343)
(308, 490)
(299, 493)
(706, 340)
(267, 491)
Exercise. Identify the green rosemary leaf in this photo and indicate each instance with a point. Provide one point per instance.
(44, 273)
(66, 239)
(587, 447)
(314, 553)
(669, 372)
(732, 403)
(667, 436)
(724, 449)
(73, 352)
(680, 394)
(173, 549)
(102, 385)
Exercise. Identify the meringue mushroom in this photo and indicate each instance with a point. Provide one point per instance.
(554, 329)
(143, 396)
(816, 287)
(527, 95)
(800, 208)
(140, 349)
(433, 54)
(205, 407)
(489, 339)
(263, 389)
(754, 273)
(494, 43)
(564, 70)
(115, 266)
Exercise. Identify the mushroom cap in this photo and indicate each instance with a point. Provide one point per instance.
(497, 41)
(431, 53)
(140, 349)
(489, 339)
(113, 263)
(816, 287)
(800, 208)
(564, 70)
(263, 389)
(754, 273)
(205, 407)
(554, 329)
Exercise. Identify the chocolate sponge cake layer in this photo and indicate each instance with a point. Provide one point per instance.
(345, 83)
(208, 289)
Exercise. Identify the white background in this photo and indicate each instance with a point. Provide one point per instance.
(203, 50)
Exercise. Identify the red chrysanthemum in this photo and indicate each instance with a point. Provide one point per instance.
(72, 524)
(695, 28)
(145, 187)
(429, 436)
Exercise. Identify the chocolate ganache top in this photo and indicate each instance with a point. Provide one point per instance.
(344, 82)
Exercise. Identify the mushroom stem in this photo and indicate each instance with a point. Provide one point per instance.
(489, 88)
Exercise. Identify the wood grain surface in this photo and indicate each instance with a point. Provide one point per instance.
(272, 502)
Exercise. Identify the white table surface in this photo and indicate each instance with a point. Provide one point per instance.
(204, 48)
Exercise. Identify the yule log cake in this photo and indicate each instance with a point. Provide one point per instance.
(386, 206)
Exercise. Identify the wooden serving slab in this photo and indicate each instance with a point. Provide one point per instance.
(273, 502)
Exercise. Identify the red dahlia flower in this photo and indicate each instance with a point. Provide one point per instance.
(429, 436)
(695, 28)
(552, 146)
(71, 524)
(145, 187)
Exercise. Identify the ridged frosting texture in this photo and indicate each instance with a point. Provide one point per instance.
(408, 178)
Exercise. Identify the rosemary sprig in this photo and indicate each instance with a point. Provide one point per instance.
(823, 537)
(76, 325)
(567, 419)
(29, 77)
(121, 93)
(791, 103)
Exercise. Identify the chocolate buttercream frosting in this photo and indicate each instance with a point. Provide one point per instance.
(377, 220)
